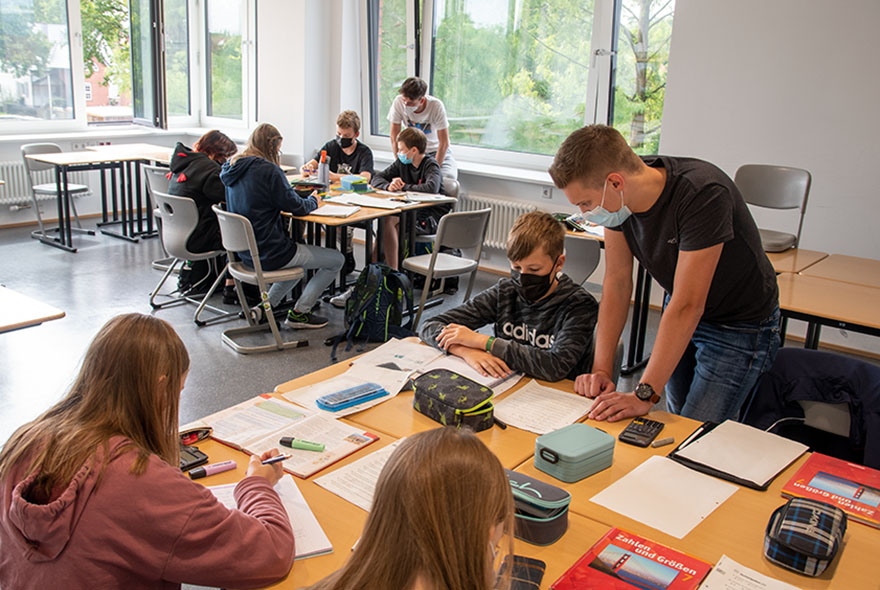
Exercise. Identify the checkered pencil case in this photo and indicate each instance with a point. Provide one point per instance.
(803, 535)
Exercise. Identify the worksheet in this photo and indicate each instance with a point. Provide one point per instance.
(356, 482)
(730, 575)
(541, 409)
(247, 422)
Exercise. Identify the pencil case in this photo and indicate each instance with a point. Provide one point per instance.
(574, 452)
(540, 509)
(804, 535)
(354, 184)
(453, 400)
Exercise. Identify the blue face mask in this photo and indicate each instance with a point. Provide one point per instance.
(602, 216)
(403, 159)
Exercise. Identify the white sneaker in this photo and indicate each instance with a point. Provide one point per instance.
(339, 300)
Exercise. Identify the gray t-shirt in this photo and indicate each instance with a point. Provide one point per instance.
(700, 207)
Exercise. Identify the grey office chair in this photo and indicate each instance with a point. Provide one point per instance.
(158, 181)
(238, 236)
(49, 188)
(775, 187)
(581, 258)
(451, 187)
(179, 217)
(465, 230)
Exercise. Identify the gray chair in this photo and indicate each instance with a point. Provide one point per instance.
(465, 230)
(179, 217)
(238, 236)
(49, 188)
(451, 187)
(581, 258)
(775, 187)
(158, 181)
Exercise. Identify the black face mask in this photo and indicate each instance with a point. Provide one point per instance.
(532, 287)
(345, 141)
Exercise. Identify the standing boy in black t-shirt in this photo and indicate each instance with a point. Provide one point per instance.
(347, 155)
(686, 222)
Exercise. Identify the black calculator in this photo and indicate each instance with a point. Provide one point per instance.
(640, 432)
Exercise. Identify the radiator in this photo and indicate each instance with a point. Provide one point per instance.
(17, 190)
(504, 212)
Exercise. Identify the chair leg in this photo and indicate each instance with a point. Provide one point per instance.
(37, 213)
(155, 292)
(229, 336)
(220, 314)
(470, 288)
(75, 214)
(424, 298)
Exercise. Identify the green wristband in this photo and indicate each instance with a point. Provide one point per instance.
(489, 343)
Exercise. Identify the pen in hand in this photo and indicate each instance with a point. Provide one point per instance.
(276, 459)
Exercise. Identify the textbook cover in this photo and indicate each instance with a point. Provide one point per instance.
(622, 561)
(853, 488)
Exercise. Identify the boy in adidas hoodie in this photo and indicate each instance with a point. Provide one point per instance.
(543, 322)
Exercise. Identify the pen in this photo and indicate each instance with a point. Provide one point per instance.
(276, 459)
(663, 442)
(303, 445)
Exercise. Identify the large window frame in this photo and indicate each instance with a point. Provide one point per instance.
(599, 90)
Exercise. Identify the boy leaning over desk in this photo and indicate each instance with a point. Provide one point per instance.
(543, 322)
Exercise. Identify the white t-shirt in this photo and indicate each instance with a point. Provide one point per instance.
(430, 121)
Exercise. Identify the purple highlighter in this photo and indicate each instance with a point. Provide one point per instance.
(211, 469)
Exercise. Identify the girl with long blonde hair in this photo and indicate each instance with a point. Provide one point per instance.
(441, 519)
(93, 495)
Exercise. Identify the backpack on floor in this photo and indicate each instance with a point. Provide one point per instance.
(374, 311)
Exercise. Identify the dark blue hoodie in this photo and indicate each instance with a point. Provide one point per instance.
(258, 189)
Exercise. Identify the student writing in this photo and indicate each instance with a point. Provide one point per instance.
(543, 323)
(93, 496)
(347, 155)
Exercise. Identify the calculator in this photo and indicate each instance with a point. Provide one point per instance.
(640, 432)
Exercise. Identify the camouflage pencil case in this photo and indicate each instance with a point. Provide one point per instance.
(453, 400)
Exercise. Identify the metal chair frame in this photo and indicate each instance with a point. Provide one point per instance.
(31, 166)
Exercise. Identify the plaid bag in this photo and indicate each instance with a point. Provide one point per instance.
(803, 535)
(453, 400)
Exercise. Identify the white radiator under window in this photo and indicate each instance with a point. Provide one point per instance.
(17, 190)
(504, 212)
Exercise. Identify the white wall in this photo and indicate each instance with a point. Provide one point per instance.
(792, 83)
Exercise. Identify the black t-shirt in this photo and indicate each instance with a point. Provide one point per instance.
(700, 207)
(360, 160)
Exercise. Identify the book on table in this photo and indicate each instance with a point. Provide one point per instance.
(258, 424)
(853, 488)
(621, 560)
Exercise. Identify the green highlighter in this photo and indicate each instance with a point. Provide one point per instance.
(303, 445)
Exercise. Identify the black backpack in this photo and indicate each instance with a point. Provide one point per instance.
(374, 312)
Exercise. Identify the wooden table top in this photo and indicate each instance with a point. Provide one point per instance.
(848, 269)
(826, 298)
(794, 259)
(20, 311)
(85, 157)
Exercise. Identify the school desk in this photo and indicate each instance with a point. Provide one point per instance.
(20, 311)
(794, 259)
(848, 269)
(736, 528)
(825, 302)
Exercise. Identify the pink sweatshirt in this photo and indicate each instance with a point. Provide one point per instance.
(155, 530)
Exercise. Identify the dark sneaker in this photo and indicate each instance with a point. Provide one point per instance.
(230, 297)
(298, 320)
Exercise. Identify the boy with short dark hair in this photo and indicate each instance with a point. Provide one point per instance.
(347, 154)
(414, 107)
(543, 322)
(413, 170)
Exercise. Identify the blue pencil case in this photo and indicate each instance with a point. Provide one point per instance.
(339, 400)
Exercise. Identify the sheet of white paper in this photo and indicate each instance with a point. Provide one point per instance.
(730, 575)
(541, 409)
(680, 497)
(454, 363)
(400, 354)
(391, 381)
(596, 230)
(339, 439)
(363, 201)
(336, 210)
(427, 197)
(253, 419)
(744, 451)
(310, 537)
(356, 482)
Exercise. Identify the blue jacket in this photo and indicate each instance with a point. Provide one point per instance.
(258, 189)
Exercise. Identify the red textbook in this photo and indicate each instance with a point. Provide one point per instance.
(853, 488)
(622, 561)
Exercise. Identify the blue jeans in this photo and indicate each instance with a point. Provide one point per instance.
(720, 367)
(328, 263)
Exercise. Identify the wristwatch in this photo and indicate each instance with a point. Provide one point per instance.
(645, 392)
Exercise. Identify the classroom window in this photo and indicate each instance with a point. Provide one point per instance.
(106, 60)
(387, 48)
(177, 88)
(225, 69)
(36, 81)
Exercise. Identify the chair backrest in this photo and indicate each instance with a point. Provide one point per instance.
(179, 217)
(291, 160)
(775, 187)
(237, 235)
(38, 148)
(581, 258)
(463, 229)
(451, 187)
(157, 181)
